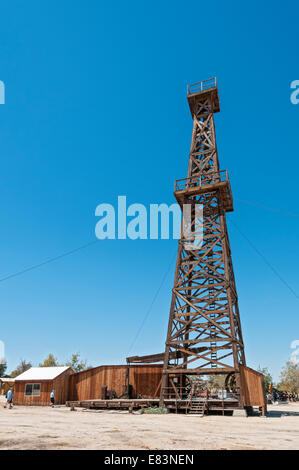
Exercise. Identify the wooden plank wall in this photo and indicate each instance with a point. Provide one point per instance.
(61, 386)
(145, 380)
(253, 387)
(43, 399)
(87, 385)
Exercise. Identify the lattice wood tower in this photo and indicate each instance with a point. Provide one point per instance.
(204, 332)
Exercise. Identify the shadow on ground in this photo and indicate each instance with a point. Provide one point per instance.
(280, 413)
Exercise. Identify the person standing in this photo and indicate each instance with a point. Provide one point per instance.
(52, 396)
(9, 398)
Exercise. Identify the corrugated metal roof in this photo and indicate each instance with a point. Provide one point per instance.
(41, 373)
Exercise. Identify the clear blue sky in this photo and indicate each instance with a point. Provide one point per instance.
(95, 108)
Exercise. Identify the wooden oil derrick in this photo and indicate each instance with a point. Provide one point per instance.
(204, 332)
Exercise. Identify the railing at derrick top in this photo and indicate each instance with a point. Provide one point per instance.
(201, 86)
(201, 180)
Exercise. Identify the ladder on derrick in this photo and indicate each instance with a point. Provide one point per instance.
(212, 307)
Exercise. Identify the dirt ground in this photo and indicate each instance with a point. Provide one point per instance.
(59, 428)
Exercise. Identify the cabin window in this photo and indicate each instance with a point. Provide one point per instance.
(32, 390)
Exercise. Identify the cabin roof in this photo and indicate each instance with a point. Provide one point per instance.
(41, 373)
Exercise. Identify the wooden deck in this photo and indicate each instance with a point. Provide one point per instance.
(138, 403)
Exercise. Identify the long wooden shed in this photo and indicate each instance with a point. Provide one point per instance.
(34, 386)
(144, 380)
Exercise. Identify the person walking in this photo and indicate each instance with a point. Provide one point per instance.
(9, 398)
(52, 396)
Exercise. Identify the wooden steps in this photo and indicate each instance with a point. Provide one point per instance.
(197, 407)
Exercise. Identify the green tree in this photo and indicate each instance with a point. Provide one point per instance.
(50, 361)
(22, 367)
(289, 378)
(76, 363)
(268, 380)
(3, 367)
